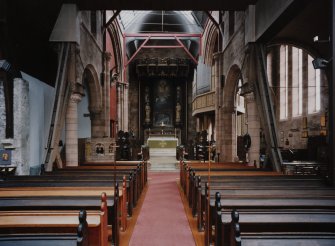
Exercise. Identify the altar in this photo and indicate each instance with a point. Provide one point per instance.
(162, 142)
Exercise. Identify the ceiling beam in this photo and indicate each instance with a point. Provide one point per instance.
(164, 5)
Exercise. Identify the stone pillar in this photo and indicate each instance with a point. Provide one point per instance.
(107, 89)
(228, 135)
(2, 112)
(125, 107)
(253, 129)
(218, 92)
(20, 156)
(122, 106)
(71, 130)
(119, 113)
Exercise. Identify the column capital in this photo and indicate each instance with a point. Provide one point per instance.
(75, 97)
(250, 97)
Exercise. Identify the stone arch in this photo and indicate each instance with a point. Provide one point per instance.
(91, 80)
(211, 40)
(229, 144)
(307, 48)
(116, 46)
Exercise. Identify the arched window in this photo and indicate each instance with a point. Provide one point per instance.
(295, 82)
(283, 92)
(240, 110)
(314, 88)
(297, 75)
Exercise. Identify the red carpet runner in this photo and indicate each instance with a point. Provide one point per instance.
(162, 220)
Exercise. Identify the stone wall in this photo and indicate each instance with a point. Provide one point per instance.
(134, 108)
(229, 63)
(294, 129)
(191, 121)
(2, 112)
(91, 55)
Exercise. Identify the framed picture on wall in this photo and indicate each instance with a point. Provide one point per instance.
(5, 157)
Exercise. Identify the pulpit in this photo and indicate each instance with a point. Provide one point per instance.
(99, 149)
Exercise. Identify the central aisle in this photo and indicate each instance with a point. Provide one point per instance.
(162, 220)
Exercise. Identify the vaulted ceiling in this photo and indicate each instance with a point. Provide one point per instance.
(25, 26)
(165, 5)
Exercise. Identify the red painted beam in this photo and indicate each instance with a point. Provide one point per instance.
(138, 50)
(186, 50)
(162, 35)
(162, 46)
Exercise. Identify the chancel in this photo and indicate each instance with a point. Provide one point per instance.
(167, 122)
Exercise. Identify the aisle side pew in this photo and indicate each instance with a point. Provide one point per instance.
(104, 182)
(268, 203)
(240, 182)
(140, 168)
(143, 165)
(276, 228)
(194, 184)
(135, 179)
(67, 199)
(252, 188)
(192, 174)
(30, 229)
(198, 182)
(187, 166)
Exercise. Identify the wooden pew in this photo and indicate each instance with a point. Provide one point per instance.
(280, 183)
(191, 176)
(143, 164)
(56, 221)
(60, 192)
(280, 220)
(267, 203)
(243, 182)
(197, 184)
(141, 169)
(81, 182)
(193, 182)
(284, 239)
(133, 189)
(32, 236)
(255, 191)
(18, 200)
(135, 179)
(250, 189)
(42, 240)
(288, 228)
(187, 166)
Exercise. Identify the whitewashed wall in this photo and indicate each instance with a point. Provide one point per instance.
(41, 97)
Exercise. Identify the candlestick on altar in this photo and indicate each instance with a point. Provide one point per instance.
(175, 133)
(162, 125)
